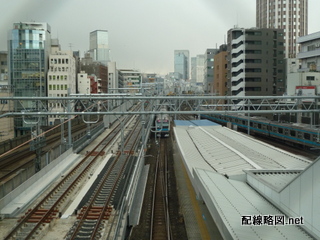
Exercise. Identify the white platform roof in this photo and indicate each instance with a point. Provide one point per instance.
(228, 152)
(232, 200)
(217, 160)
(276, 179)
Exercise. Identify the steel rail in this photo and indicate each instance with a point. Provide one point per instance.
(128, 148)
(160, 207)
(120, 164)
(165, 185)
(6, 158)
(56, 188)
(154, 196)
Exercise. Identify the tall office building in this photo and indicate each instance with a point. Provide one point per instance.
(290, 15)
(209, 70)
(99, 46)
(256, 62)
(193, 78)
(29, 47)
(220, 71)
(181, 63)
(200, 69)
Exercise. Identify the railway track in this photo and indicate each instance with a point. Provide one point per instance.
(160, 224)
(35, 221)
(93, 220)
(23, 157)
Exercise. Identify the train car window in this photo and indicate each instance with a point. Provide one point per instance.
(280, 130)
(259, 125)
(307, 136)
(292, 133)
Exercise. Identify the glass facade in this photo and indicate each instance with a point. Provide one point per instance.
(29, 46)
(181, 63)
(99, 46)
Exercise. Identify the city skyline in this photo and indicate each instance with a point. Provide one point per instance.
(144, 34)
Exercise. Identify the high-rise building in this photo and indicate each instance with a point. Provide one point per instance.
(181, 63)
(99, 46)
(290, 15)
(28, 52)
(220, 72)
(208, 69)
(256, 62)
(3, 69)
(193, 78)
(200, 69)
(61, 80)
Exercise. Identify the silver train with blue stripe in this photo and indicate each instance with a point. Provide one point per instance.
(162, 123)
(302, 135)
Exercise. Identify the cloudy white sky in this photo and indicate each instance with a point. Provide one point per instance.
(143, 34)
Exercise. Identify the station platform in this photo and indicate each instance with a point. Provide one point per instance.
(16, 201)
(236, 176)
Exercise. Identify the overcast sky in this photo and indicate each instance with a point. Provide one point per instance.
(143, 34)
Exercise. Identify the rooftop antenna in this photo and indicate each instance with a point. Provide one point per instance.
(237, 20)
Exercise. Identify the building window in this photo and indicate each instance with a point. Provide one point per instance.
(310, 78)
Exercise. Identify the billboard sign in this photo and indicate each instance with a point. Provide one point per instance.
(306, 91)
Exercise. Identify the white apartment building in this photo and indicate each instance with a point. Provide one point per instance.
(112, 76)
(6, 124)
(61, 77)
(84, 83)
(129, 78)
(309, 72)
(113, 82)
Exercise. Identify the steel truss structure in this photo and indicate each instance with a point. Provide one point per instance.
(101, 104)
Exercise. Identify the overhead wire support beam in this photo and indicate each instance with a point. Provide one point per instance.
(181, 97)
(250, 104)
(11, 114)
